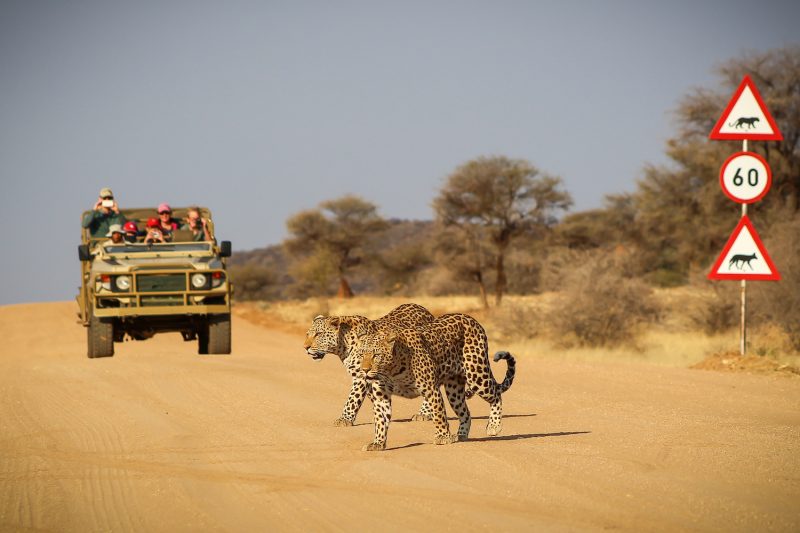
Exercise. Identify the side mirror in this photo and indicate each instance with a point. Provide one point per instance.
(83, 252)
(225, 249)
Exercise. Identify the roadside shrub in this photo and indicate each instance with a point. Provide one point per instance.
(779, 302)
(514, 321)
(717, 309)
(253, 282)
(600, 306)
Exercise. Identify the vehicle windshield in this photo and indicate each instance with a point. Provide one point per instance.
(130, 248)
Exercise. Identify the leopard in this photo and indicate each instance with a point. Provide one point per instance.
(339, 335)
(452, 351)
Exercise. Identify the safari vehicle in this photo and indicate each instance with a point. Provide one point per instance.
(135, 290)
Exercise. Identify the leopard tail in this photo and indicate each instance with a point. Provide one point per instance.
(510, 371)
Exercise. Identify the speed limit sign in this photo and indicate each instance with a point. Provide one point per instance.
(745, 177)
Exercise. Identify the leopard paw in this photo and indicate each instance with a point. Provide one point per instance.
(342, 422)
(445, 439)
(374, 447)
(493, 431)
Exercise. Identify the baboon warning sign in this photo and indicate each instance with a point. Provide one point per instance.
(744, 256)
(746, 117)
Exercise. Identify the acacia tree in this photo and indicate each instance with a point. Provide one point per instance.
(334, 234)
(507, 197)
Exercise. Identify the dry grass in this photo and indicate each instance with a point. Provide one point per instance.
(521, 326)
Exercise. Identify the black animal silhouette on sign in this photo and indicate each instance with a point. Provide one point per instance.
(739, 260)
(750, 122)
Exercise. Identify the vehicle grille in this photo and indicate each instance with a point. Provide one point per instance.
(161, 283)
(160, 301)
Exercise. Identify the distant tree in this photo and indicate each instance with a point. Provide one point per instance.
(507, 197)
(332, 235)
(465, 250)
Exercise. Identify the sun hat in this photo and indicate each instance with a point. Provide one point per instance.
(162, 207)
(153, 223)
(105, 191)
(114, 228)
(130, 226)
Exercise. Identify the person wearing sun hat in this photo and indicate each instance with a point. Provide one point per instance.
(104, 213)
(115, 234)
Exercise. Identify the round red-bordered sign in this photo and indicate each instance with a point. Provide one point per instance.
(745, 177)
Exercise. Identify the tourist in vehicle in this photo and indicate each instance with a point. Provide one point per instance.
(166, 222)
(197, 225)
(154, 232)
(104, 213)
(115, 234)
(131, 231)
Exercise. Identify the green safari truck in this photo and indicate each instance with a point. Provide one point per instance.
(133, 290)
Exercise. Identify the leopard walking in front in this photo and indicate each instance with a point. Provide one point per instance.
(452, 351)
(339, 335)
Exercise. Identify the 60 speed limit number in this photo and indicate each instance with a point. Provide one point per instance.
(745, 177)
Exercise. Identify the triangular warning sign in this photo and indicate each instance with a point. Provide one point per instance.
(746, 117)
(744, 256)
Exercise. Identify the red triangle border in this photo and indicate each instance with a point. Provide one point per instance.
(715, 134)
(744, 221)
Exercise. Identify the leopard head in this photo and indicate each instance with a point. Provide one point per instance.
(377, 352)
(333, 334)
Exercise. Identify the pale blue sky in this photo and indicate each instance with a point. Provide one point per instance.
(261, 109)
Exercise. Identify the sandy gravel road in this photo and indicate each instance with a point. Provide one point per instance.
(158, 438)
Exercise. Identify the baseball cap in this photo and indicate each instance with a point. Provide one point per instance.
(153, 223)
(105, 191)
(164, 207)
(114, 228)
(130, 226)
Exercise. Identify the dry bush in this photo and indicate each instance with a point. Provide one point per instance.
(779, 302)
(515, 320)
(600, 306)
(716, 309)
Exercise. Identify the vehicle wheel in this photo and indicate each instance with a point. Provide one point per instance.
(100, 338)
(202, 339)
(219, 334)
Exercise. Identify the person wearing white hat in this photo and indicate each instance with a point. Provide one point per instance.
(116, 235)
(104, 213)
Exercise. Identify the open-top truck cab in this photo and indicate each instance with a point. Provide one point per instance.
(135, 290)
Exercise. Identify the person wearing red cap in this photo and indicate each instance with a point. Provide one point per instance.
(131, 231)
(167, 224)
(154, 233)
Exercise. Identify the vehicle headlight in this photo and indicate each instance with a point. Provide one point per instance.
(123, 283)
(199, 281)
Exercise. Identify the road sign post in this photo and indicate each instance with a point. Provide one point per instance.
(745, 177)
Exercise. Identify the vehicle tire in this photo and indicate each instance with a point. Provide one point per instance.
(219, 334)
(100, 335)
(202, 339)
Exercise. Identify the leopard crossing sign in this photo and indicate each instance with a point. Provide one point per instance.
(746, 117)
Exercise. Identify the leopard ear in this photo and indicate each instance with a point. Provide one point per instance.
(336, 321)
(391, 337)
(318, 317)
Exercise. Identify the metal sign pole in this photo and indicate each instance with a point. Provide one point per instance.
(743, 328)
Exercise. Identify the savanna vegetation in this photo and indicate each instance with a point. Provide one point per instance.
(502, 227)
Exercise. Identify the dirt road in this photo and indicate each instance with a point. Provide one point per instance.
(158, 438)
